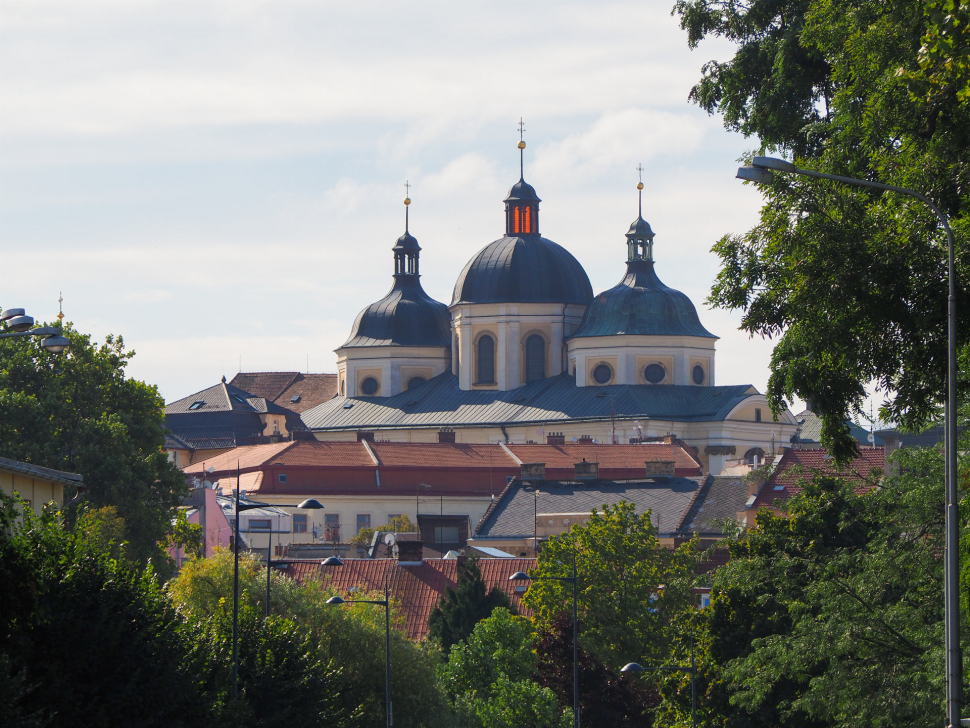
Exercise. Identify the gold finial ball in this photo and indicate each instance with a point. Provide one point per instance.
(407, 201)
(521, 145)
(639, 185)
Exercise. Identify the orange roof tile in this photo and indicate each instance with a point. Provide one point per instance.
(442, 455)
(797, 465)
(416, 589)
(247, 457)
(615, 461)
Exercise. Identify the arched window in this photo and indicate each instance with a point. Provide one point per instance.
(754, 456)
(516, 228)
(535, 358)
(528, 220)
(486, 360)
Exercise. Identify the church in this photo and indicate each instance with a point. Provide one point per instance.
(526, 353)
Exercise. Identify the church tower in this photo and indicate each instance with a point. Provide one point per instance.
(640, 331)
(402, 340)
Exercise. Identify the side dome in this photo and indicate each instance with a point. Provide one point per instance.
(406, 316)
(528, 269)
(641, 305)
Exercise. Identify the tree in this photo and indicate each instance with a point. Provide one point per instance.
(832, 614)
(851, 282)
(459, 610)
(605, 697)
(489, 678)
(79, 412)
(630, 586)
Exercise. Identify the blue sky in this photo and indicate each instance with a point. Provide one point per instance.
(218, 181)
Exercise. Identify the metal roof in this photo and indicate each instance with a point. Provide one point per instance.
(527, 269)
(440, 402)
(406, 316)
(513, 515)
(38, 471)
(641, 305)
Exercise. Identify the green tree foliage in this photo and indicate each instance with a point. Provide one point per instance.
(459, 610)
(629, 589)
(185, 535)
(78, 412)
(605, 697)
(851, 282)
(351, 638)
(832, 616)
(490, 678)
(398, 524)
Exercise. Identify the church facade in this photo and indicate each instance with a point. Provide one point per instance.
(525, 352)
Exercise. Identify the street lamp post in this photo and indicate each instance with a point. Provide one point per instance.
(309, 504)
(386, 603)
(522, 576)
(20, 325)
(692, 669)
(762, 170)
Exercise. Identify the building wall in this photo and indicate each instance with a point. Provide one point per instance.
(36, 490)
(392, 366)
(629, 355)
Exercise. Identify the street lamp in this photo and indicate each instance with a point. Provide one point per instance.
(692, 669)
(522, 576)
(762, 171)
(309, 504)
(20, 324)
(386, 603)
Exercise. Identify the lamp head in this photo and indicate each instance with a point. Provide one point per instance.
(20, 323)
(519, 576)
(632, 667)
(332, 561)
(311, 504)
(335, 600)
(755, 174)
(56, 344)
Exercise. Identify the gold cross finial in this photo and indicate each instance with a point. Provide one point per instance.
(640, 170)
(521, 128)
(407, 201)
(60, 309)
(640, 188)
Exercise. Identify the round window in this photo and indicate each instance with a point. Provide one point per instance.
(369, 386)
(654, 373)
(698, 374)
(415, 381)
(602, 374)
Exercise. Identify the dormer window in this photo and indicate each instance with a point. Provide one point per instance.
(198, 404)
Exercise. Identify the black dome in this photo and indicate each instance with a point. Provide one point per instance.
(406, 316)
(523, 270)
(522, 191)
(641, 305)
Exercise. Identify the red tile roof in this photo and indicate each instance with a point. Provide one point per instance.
(797, 465)
(281, 387)
(416, 589)
(442, 455)
(617, 462)
(247, 457)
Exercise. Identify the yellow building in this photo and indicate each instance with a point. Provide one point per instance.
(38, 486)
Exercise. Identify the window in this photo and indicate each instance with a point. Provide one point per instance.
(705, 600)
(415, 381)
(341, 387)
(654, 373)
(299, 523)
(259, 524)
(754, 456)
(198, 404)
(486, 360)
(282, 477)
(698, 374)
(446, 534)
(295, 399)
(757, 414)
(363, 521)
(535, 358)
(602, 374)
(527, 228)
(369, 386)
(517, 226)
(331, 531)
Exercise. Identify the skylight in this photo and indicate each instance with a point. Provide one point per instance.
(295, 399)
(198, 404)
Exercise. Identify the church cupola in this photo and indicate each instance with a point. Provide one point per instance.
(639, 238)
(406, 250)
(522, 203)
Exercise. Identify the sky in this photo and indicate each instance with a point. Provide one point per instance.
(221, 182)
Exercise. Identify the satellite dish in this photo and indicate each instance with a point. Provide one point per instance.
(211, 469)
(871, 438)
(389, 539)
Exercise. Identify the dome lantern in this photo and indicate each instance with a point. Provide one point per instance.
(639, 238)
(522, 202)
(406, 250)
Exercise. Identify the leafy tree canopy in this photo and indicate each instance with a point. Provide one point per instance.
(622, 568)
(459, 610)
(832, 615)
(851, 282)
(78, 412)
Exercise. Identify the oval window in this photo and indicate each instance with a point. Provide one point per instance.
(602, 374)
(369, 386)
(698, 374)
(415, 381)
(654, 373)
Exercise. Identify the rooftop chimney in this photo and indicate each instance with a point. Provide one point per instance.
(446, 434)
(532, 471)
(587, 471)
(410, 553)
(555, 438)
(365, 436)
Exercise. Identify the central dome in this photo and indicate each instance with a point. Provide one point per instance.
(527, 269)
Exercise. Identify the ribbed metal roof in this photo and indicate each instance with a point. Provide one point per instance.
(439, 402)
(406, 316)
(528, 269)
(641, 305)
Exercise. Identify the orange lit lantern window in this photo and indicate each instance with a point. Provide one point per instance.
(516, 227)
(528, 220)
